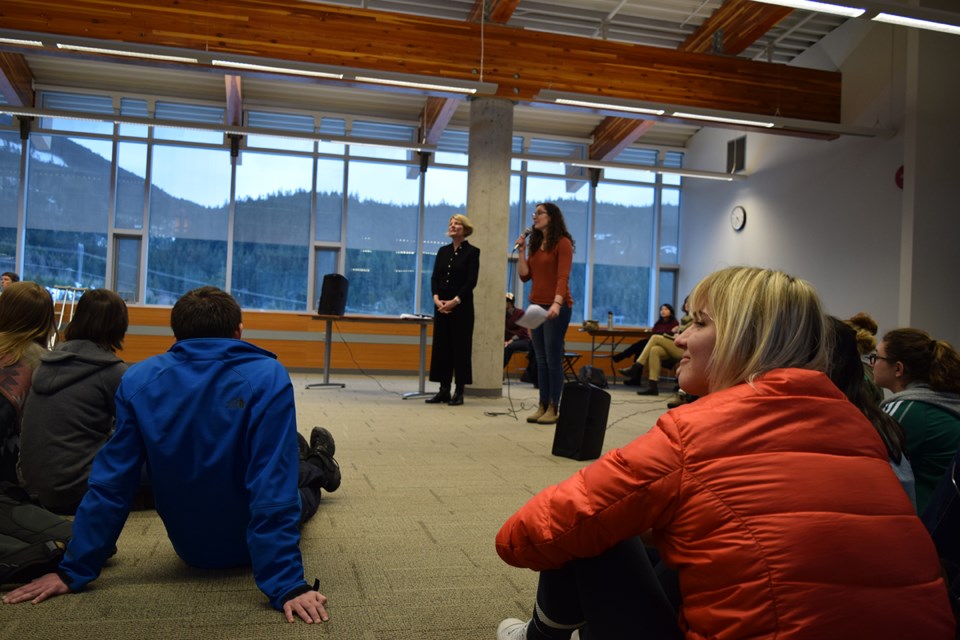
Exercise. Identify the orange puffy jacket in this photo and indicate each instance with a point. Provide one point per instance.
(774, 501)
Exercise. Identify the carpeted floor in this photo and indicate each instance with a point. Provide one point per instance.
(404, 550)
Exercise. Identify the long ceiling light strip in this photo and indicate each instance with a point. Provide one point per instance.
(248, 66)
(819, 7)
(723, 119)
(416, 84)
(905, 16)
(674, 114)
(608, 105)
(18, 42)
(127, 54)
(917, 23)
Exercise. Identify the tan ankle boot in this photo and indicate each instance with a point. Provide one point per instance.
(533, 417)
(549, 416)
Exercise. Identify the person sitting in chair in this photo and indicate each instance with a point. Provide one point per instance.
(517, 339)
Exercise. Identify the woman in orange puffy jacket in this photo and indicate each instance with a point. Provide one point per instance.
(770, 498)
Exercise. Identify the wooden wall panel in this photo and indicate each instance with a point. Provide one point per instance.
(306, 354)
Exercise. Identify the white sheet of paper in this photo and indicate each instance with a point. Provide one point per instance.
(533, 317)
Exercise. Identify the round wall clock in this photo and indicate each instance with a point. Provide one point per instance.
(738, 218)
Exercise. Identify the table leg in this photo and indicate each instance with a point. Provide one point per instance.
(421, 392)
(328, 342)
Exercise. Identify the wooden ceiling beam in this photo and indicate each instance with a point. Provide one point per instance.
(615, 134)
(500, 10)
(16, 80)
(234, 94)
(436, 115)
(742, 22)
(521, 66)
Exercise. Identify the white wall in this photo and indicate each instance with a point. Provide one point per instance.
(831, 212)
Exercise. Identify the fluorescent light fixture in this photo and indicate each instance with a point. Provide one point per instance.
(288, 70)
(917, 23)
(687, 173)
(819, 7)
(413, 84)
(606, 105)
(126, 54)
(21, 43)
(699, 116)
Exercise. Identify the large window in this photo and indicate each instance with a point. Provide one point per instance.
(623, 264)
(383, 214)
(153, 210)
(9, 194)
(68, 201)
(189, 205)
(271, 231)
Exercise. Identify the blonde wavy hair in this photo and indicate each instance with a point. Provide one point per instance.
(26, 318)
(465, 221)
(765, 320)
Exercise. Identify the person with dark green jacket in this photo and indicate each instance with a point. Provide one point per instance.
(924, 375)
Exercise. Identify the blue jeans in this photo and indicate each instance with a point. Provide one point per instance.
(548, 340)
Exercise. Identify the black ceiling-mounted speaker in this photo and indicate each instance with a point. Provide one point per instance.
(333, 295)
(737, 154)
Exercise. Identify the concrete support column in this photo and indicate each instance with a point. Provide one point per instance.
(488, 206)
(930, 231)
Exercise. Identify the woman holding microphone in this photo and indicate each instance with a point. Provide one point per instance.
(548, 269)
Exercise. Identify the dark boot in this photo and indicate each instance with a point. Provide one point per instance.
(633, 371)
(457, 398)
(322, 448)
(442, 396)
(652, 389)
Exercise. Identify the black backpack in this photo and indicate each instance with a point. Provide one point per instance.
(592, 375)
(32, 539)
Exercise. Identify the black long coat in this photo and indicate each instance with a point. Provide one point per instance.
(454, 275)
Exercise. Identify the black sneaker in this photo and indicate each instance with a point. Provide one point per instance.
(322, 447)
(321, 440)
(302, 447)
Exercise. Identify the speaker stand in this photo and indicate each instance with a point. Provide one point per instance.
(326, 384)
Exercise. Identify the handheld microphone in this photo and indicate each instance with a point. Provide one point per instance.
(526, 233)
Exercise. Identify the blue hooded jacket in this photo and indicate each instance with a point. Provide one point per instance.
(215, 422)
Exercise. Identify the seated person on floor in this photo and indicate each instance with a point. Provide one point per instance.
(232, 478)
(517, 339)
(26, 326)
(69, 413)
(771, 497)
(666, 323)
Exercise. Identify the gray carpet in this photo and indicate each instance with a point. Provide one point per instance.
(404, 550)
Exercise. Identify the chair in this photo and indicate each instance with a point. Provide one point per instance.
(569, 365)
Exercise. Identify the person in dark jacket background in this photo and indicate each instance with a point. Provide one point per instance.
(455, 274)
(69, 412)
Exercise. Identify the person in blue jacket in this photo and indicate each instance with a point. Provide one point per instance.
(214, 421)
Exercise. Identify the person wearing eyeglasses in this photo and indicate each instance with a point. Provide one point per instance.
(770, 498)
(547, 268)
(924, 375)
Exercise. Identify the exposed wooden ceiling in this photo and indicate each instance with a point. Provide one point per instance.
(481, 46)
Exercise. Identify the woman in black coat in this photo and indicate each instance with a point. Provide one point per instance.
(454, 277)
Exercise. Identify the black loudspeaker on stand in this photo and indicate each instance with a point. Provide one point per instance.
(333, 295)
(582, 423)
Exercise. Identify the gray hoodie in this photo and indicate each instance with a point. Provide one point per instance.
(68, 416)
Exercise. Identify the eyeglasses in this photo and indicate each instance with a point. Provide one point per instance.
(872, 359)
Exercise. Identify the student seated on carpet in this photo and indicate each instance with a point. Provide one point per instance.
(771, 496)
(214, 419)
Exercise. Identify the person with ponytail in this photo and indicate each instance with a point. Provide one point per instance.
(924, 375)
